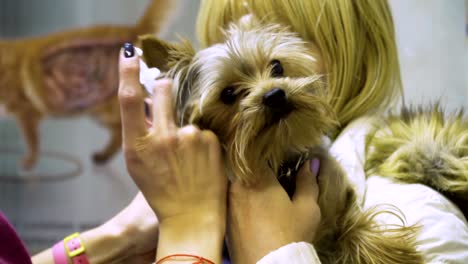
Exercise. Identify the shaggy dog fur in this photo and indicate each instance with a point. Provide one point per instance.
(262, 92)
(423, 146)
(70, 73)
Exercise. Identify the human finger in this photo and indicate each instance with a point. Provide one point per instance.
(307, 189)
(130, 96)
(163, 111)
(214, 148)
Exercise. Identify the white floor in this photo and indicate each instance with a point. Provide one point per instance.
(433, 50)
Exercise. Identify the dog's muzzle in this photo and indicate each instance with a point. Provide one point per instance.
(277, 102)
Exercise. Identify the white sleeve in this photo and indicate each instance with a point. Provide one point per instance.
(443, 237)
(294, 253)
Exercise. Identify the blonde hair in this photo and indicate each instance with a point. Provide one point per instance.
(356, 39)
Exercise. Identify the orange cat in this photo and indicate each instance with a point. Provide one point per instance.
(70, 73)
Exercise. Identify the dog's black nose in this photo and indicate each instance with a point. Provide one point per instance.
(275, 99)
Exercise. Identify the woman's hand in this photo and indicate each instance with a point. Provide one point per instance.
(263, 218)
(179, 170)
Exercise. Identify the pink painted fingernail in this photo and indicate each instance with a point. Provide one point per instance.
(315, 166)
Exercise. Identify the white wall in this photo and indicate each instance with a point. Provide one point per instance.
(433, 50)
(28, 18)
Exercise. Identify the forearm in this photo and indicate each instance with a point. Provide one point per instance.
(103, 244)
(200, 237)
(45, 257)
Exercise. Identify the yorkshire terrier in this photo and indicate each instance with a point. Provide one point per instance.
(69, 73)
(425, 146)
(263, 93)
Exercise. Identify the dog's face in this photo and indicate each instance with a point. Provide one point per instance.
(261, 91)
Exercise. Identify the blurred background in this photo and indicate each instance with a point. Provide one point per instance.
(67, 193)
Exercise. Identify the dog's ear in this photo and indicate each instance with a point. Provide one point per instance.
(174, 59)
(165, 55)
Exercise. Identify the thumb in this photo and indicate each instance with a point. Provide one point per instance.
(307, 189)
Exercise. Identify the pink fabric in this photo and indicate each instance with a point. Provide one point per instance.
(12, 250)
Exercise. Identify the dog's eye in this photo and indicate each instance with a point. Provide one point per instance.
(228, 96)
(276, 68)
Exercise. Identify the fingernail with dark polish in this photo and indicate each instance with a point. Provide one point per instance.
(315, 166)
(129, 50)
(147, 110)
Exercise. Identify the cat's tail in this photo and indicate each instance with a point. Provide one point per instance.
(155, 17)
